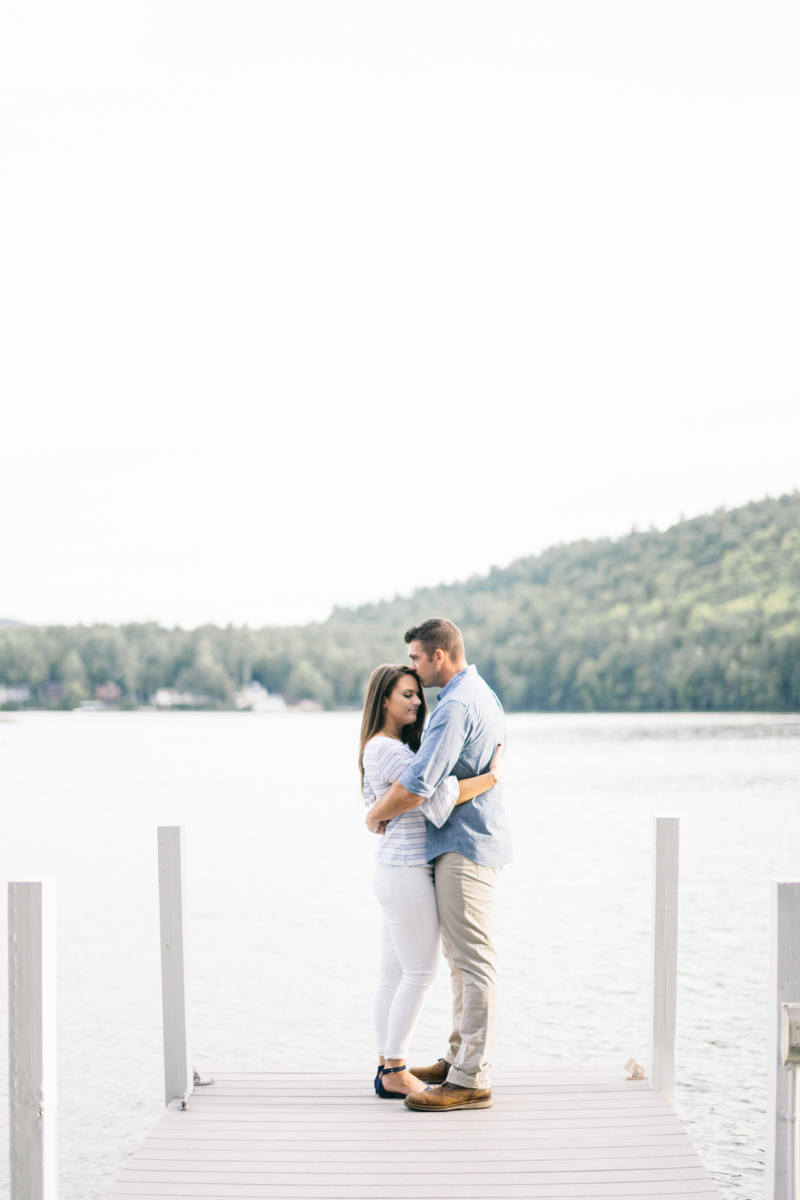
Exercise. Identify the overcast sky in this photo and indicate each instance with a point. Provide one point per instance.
(309, 304)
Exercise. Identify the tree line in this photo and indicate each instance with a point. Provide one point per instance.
(702, 616)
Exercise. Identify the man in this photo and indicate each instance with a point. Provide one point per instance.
(468, 853)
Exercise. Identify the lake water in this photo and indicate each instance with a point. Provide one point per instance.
(284, 927)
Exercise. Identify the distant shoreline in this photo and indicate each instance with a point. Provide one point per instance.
(702, 617)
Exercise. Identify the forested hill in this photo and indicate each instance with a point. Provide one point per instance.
(705, 615)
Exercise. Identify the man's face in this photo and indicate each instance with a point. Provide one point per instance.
(427, 668)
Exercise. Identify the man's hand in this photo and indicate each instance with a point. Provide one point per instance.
(375, 826)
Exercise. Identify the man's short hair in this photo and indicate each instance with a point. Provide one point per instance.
(437, 634)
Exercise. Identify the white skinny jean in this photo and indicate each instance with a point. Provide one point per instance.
(409, 953)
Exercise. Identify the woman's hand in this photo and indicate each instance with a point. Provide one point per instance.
(468, 789)
(499, 764)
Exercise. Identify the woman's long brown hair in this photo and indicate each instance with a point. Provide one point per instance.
(381, 684)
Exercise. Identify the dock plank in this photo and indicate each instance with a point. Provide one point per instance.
(432, 1160)
(552, 1134)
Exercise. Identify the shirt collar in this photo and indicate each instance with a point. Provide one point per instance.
(470, 670)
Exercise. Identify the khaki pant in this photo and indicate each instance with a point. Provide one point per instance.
(465, 894)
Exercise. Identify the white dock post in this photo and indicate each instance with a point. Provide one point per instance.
(178, 1063)
(782, 1181)
(32, 1039)
(664, 972)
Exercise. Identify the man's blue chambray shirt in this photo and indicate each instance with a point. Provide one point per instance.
(461, 738)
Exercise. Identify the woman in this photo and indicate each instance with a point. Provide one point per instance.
(391, 730)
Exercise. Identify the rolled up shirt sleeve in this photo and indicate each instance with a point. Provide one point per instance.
(441, 803)
(441, 749)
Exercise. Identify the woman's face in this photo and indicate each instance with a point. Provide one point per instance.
(402, 704)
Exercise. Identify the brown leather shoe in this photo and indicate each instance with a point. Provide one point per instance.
(448, 1097)
(435, 1074)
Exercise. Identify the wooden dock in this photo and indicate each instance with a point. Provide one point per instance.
(564, 1133)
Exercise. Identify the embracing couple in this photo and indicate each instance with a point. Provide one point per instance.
(438, 801)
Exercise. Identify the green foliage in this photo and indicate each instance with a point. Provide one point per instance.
(705, 615)
(23, 656)
(74, 679)
(306, 682)
(207, 675)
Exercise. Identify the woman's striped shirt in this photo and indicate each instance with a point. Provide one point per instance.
(405, 842)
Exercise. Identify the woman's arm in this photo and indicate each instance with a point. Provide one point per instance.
(438, 808)
(385, 760)
(468, 789)
(452, 791)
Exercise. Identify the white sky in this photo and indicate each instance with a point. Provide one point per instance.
(312, 303)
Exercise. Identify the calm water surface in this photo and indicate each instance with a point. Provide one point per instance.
(284, 928)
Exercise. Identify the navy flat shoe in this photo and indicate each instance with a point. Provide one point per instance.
(383, 1092)
(381, 1069)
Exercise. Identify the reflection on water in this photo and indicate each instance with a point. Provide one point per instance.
(284, 928)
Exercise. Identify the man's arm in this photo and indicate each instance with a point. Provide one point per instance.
(440, 750)
(434, 761)
(396, 801)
